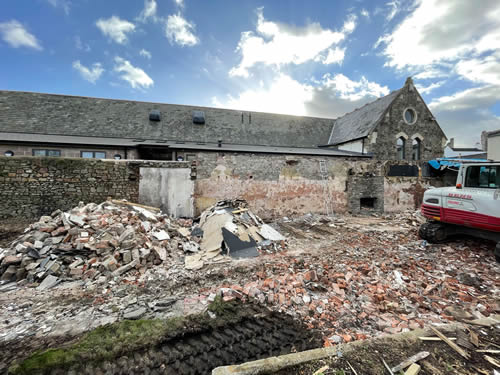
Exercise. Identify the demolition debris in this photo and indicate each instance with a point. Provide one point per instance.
(104, 241)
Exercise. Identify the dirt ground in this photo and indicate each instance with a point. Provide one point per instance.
(366, 359)
(349, 278)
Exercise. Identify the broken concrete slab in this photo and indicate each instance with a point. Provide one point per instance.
(269, 233)
(161, 235)
(49, 282)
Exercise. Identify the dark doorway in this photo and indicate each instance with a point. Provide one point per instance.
(367, 203)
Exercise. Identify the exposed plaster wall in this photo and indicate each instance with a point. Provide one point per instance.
(276, 185)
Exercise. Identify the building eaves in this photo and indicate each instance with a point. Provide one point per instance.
(171, 144)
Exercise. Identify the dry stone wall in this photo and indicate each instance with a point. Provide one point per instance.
(31, 186)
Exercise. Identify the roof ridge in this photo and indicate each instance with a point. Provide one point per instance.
(369, 103)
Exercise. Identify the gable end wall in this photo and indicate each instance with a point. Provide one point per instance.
(383, 145)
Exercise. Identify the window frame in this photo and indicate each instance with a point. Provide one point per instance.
(46, 150)
(93, 154)
(478, 185)
(415, 115)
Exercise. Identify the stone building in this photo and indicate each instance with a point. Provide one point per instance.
(282, 165)
(397, 126)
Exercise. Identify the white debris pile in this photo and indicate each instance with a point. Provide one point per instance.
(230, 228)
(95, 241)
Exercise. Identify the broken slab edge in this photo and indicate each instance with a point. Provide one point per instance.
(274, 364)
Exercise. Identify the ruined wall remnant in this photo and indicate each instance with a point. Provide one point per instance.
(34, 186)
(275, 185)
(366, 194)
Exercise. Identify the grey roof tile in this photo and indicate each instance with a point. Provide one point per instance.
(39, 113)
(360, 122)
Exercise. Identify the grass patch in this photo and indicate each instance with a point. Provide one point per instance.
(103, 343)
(121, 338)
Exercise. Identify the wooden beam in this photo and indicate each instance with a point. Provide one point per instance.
(452, 345)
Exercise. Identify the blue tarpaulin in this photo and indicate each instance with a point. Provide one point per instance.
(443, 163)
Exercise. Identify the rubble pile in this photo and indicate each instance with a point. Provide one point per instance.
(103, 241)
(230, 228)
(360, 283)
(95, 241)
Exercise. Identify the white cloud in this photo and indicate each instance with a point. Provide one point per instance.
(145, 53)
(427, 89)
(332, 96)
(180, 31)
(430, 73)
(91, 75)
(149, 11)
(468, 99)
(277, 44)
(335, 55)
(115, 28)
(179, 3)
(136, 77)
(284, 95)
(80, 45)
(365, 13)
(395, 7)
(353, 90)
(16, 35)
(442, 31)
(64, 4)
(481, 70)
(464, 115)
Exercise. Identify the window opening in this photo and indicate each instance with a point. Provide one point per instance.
(42, 152)
(416, 149)
(400, 148)
(93, 154)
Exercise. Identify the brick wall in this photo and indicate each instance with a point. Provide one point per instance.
(34, 186)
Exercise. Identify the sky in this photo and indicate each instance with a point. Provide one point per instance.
(313, 58)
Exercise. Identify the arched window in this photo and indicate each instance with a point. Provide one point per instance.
(400, 148)
(416, 149)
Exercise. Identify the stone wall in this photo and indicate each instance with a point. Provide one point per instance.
(274, 185)
(382, 142)
(286, 185)
(365, 194)
(34, 186)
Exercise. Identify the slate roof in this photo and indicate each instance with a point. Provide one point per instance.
(360, 122)
(49, 114)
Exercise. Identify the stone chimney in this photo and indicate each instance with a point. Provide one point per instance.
(409, 84)
(484, 140)
(451, 143)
